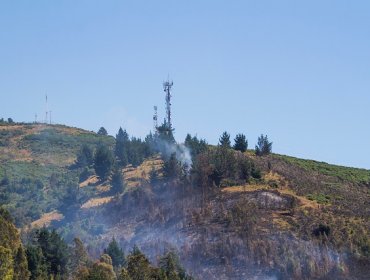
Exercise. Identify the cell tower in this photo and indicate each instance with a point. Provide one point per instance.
(155, 119)
(167, 85)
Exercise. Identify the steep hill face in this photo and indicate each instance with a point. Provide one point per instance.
(35, 173)
(298, 219)
(282, 226)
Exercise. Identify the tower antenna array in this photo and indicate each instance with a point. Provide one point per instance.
(155, 119)
(167, 85)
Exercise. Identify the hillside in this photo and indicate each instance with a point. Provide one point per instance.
(288, 219)
(35, 165)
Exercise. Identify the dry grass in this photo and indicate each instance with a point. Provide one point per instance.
(303, 201)
(103, 188)
(246, 188)
(279, 221)
(272, 176)
(89, 181)
(47, 218)
(134, 176)
(94, 202)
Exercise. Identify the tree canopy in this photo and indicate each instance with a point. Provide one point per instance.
(224, 140)
(240, 143)
(263, 147)
(103, 161)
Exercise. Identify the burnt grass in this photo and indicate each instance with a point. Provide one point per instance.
(265, 233)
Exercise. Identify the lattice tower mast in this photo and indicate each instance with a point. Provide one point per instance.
(167, 89)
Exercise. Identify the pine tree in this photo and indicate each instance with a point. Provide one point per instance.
(225, 140)
(171, 167)
(122, 146)
(240, 143)
(54, 250)
(36, 262)
(117, 181)
(20, 265)
(153, 176)
(103, 161)
(195, 145)
(79, 257)
(102, 131)
(170, 265)
(263, 146)
(85, 156)
(116, 253)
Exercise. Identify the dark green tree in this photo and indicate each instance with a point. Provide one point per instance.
(171, 167)
(170, 264)
(36, 262)
(20, 265)
(153, 176)
(103, 161)
(225, 140)
(165, 133)
(240, 143)
(85, 156)
(117, 181)
(137, 151)
(263, 146)
(54, 250)
(116, 253)
(122, 146)
(195, 145)
(102, 131)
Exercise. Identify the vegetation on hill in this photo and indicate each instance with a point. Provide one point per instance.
(228, 212)
(13, 262)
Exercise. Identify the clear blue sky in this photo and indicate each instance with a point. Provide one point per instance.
(298, 71)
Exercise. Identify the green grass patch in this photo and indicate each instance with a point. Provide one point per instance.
(348, 174)
(319, 198)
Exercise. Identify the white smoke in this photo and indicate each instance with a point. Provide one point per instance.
(182, 153)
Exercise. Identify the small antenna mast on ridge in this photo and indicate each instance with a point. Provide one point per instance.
(46, 109)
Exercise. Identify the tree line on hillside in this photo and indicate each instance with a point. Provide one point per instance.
(220, 166)
(8, 121)
(47, 256)
(226, 164)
